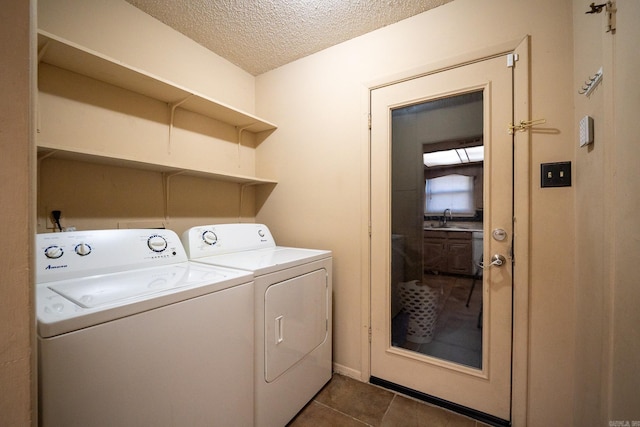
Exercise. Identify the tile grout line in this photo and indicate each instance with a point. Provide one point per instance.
(346, 415)
(388, 407)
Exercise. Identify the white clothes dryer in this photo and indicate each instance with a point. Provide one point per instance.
(293, 322)
(131, 333)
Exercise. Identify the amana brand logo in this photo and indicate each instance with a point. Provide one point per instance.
(51, 267)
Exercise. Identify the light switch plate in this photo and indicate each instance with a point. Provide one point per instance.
(555, 174)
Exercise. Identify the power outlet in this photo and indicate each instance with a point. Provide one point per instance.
(555, 174)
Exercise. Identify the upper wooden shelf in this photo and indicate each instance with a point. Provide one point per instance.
(64, 54)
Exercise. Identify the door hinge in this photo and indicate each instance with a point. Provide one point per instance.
(369, 333)
(611, 17)
(369, 120)
(511, 60)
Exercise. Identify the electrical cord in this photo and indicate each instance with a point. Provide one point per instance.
(56, 218)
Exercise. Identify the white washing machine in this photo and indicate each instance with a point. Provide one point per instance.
(293, 326)
(131, 333)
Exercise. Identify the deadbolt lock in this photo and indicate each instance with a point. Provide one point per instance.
(499, 234)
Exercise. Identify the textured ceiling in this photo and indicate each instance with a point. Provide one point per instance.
(260, 35)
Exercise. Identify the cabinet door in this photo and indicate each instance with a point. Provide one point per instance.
(434, 255)
(459, 256)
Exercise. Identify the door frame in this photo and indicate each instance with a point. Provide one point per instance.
(521, 221)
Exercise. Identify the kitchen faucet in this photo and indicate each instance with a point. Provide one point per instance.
(444, 216)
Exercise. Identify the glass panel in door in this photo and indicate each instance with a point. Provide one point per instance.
(437, 227)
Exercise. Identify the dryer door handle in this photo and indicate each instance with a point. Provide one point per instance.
(279, 329)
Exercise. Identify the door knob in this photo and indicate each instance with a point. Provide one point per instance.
(498, 260)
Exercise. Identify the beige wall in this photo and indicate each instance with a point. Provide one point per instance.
(17, 333)
(623, 208)
(319, 156)
(607, 227)
(591, 228)
(95, 196)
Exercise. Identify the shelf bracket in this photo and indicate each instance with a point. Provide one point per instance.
(43, 50)
(242, 188)
(173, 107)
(43, 156)
(239, 130)
(166, 178)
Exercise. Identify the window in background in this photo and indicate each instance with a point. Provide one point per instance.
(453, 192)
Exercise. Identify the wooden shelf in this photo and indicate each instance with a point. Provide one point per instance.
(64, 54)
(67, 55)
(100, 158)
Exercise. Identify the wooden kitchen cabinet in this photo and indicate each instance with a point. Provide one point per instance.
(434, 251)
(459, 253)
(447, 252)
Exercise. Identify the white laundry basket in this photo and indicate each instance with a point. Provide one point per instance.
(421, 303)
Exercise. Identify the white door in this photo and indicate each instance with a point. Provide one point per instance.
(430, 332)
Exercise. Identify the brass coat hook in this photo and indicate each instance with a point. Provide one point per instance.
(524, 125)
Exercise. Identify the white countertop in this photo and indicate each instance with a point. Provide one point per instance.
(453, 226)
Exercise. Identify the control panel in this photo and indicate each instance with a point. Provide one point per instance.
(219, 239)
(83, 253)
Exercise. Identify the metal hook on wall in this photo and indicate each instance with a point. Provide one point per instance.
(591, 83)
(611, 12)
(596, 8)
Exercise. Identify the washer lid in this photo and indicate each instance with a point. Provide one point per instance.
(73, 304)
(264, 261)
(97, 291)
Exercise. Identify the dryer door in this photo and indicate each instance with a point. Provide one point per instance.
(296, 319)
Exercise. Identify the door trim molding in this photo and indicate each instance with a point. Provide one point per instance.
(521, 242)
(521, 226)
(447, 64)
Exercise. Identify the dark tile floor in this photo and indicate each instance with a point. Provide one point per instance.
(348, 402)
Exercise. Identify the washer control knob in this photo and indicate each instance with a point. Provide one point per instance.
(261, 233)
(157, 243)
(209, 237)
(83, 249)
(53, 252)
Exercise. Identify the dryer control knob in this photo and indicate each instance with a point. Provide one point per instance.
(53, 252)
(83, 249)
(157, 243)
(209, 237)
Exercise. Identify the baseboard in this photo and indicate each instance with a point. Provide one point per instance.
(347, 372)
